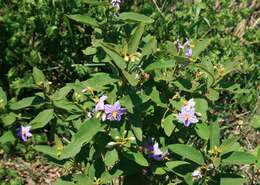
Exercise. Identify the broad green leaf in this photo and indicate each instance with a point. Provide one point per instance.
(7, 137)
(232, 181)
(119, 61)
(61, 93)
(8, 119)
(99, 81)
(38, 76)
(150, 47)
(84, 19)
(26, 102)
(84, 135)
(174, 164)
(161, 64)
(156, 98)
(168, 125)
(60, 181)
(160, 171)
(136, 157)
(130, 78)
(82, 179)
(227, 144)
(45, 149)
(214, 135)
(188, 179)
(187, 152)
(42, 119)
(202, 107)
(3, 98)
(111, 157)
(238, 158)
(66, 105)
(108, 177)
(212, 94)
(255, 121)
(135, 38)
(208, 68)
(200, 46)
(202, 130)
(89, 51)
(132, 16)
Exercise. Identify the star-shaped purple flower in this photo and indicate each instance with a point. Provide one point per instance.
(114, 112)
(154, 150)
(188, 52)
(24, 132)
(187, 116)
(100, 105)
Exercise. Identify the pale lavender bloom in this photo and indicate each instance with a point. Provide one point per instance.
(189, 104)
(188, 52)
(116, 3)
(114, 112)
(154, 150)
(100, 105)
(24, 132)
(187, 116)
(179, 45)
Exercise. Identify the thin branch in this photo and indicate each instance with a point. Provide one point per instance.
(158, 8)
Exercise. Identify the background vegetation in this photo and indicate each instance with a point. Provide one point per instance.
(57, 57)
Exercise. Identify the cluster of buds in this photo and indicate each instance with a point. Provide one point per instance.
(133, 57)
(120, 141)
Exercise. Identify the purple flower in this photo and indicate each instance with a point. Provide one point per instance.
(179, 45)
(100, 105)
(189, 104)
(188, 52)
(114, 112)
(24, 132)
(187, 116)
(154, 150)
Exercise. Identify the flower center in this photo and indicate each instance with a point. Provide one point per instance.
(23, 133)
(114, 113)
(187, 117)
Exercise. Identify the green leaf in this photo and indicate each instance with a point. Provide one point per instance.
(214, 135)
(187, 152)
(84, 135)
(255, 121)
(130, 78)
(84, 19)
(61, 93)
(119, 61)
(227, 144)
(174, 164)
(168, 125)
(89, 51)
(99, 81)
(202, 107)
(7, 137)
(161, 64)
(66, 105)
(135, 38)
(202, 130)
(26, 102)
(212, 94)
(238, 158)
(208, 68)
(150, 47)
(200, 46)
(232, 181)
(136, 157)
(50, 151)
(3, 98)
(42, 119)
(132, 16)
(38, 76)
(156, 98)
(8, 119)
(111, 157)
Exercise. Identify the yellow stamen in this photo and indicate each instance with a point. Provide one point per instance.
(114, 113)
(187, 117)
